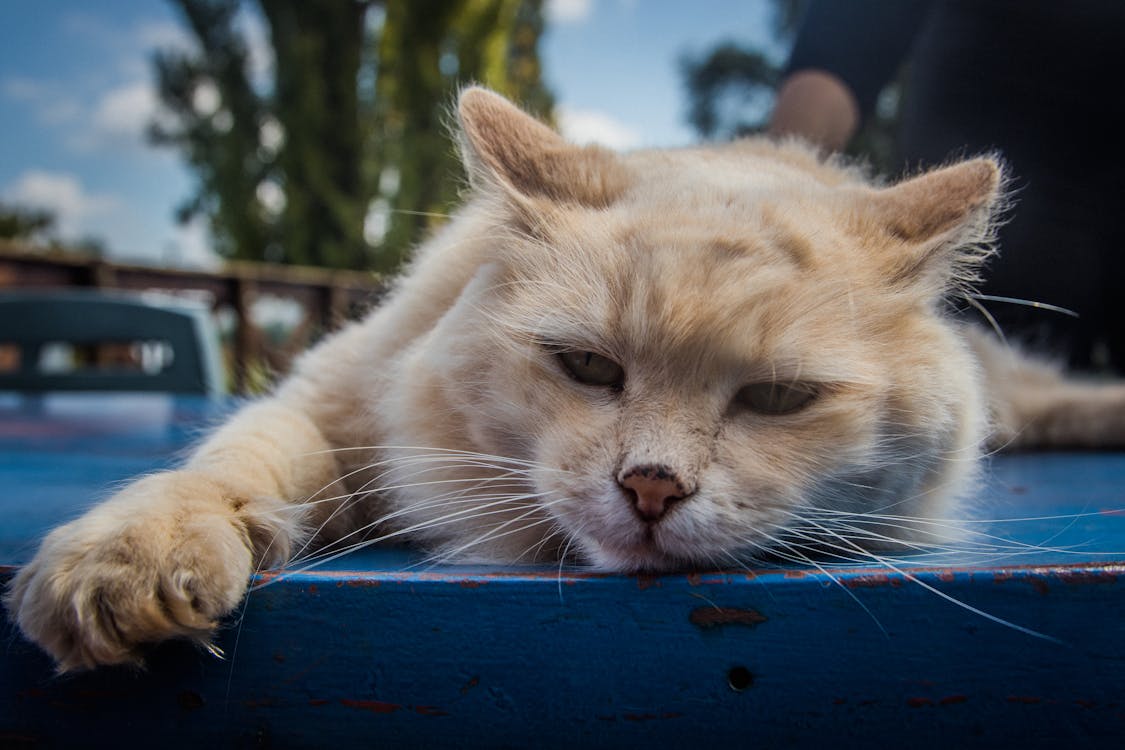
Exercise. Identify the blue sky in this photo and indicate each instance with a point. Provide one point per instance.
(76, 93)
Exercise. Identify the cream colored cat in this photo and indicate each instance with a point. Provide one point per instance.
(657, 360)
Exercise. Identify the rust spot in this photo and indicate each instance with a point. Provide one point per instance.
(319, 701)
(1029, 700)
(1039, 585)
(870, 581)
(189, 700)
(694, 579)
(312, 588)
(951, 700)
(279, 658)
(946, 575)
(651, 717)
(468, 583)
(361, 583)
(714, 617)
(430, 711)
(795, 574)
(472, 683)
(839, 701)
(1087, 576)
(645, 581)
(919, 702)
(375, 707)
(259, 702)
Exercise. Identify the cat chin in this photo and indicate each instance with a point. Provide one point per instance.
(645, 557)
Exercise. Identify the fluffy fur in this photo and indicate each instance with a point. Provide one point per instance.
(451, 417)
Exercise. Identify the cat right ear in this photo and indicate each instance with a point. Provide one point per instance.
(940, 223)
(507, 149)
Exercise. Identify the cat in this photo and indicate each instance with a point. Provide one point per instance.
(650, 361)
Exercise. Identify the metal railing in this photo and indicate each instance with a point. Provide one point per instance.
(326, 297)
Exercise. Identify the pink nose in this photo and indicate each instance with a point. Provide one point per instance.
(653, 490)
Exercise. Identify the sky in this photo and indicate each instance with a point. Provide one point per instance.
(77, 92)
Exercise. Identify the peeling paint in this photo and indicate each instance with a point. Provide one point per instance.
(430, 711)
(375, 707)
(1076, 577)
(189, 700)
(873, 580)
(714, 617)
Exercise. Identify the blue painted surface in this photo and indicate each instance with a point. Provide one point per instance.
(375, 650)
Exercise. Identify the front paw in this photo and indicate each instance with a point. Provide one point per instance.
(166, 558)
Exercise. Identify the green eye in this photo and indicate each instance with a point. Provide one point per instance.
(592, 369)
(776, 398)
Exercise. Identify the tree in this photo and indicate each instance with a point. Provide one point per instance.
(731, 89)
(343, 159)
(318, 47)
(426, 51)
(19, 223)
(216, 119)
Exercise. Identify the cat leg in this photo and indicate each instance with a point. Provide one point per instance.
(1033, 404)
(172, 553)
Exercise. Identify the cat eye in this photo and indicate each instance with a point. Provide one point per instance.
(592, 369)
(776, 398)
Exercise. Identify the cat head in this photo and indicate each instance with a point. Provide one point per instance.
(704, 349)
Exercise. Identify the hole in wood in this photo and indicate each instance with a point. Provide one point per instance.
(739, 678)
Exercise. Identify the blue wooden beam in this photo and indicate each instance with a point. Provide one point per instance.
(375, 649)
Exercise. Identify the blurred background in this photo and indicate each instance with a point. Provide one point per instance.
(274, 161)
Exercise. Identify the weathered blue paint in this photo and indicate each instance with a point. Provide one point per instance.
(370, 651)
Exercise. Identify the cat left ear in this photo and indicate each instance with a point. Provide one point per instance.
(941, 222)
(506, 148)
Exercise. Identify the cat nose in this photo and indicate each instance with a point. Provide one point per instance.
(653, 489)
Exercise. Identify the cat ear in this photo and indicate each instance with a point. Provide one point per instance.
(506, 148)
(941, 222)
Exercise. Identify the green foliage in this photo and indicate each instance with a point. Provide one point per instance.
(425, 52)
(351, 131)
(726, 69)
(18, 223)
(221, 142)
(35, 228)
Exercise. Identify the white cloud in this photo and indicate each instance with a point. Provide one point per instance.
(190, 245)
(123, 113)
(49, 104)
(63, 195)
(590, 126)
(164, 35)
(569, 11)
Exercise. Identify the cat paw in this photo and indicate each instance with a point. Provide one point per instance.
(166, 558)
